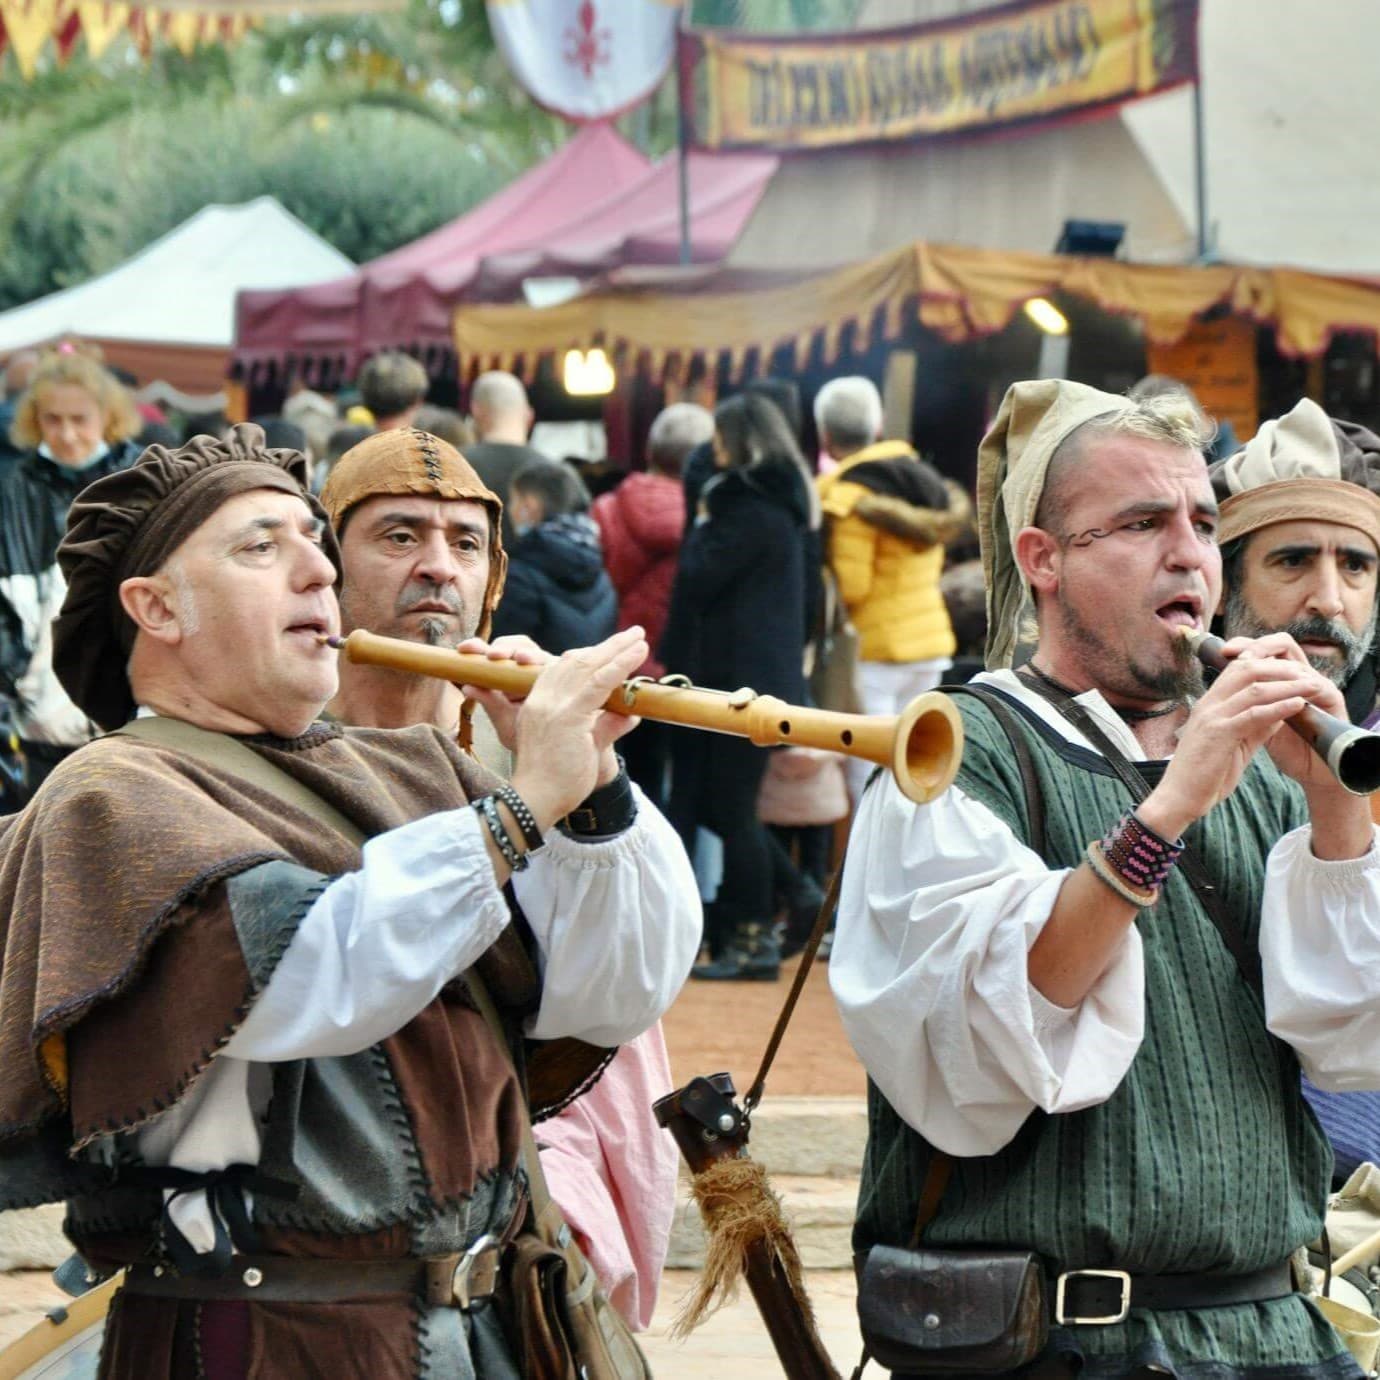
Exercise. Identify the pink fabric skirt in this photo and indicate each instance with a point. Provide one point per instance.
(613, 1170)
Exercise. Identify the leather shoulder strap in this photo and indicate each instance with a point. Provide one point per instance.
(1020, 747)
(230, 754)
(545, 1213)
(1194, 870)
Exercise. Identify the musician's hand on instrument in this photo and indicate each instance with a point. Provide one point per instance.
(502, 709)
(1245, 708)
(517, 647)
(1291, 753)
(565, 736)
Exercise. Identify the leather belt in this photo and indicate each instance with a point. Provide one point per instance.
(1103, 1297)
(460, 1281)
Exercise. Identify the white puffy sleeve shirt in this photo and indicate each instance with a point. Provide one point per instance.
(617, 923)
(940, 906)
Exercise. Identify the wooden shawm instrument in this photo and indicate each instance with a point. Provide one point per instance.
(922, 745)
(747, 1233)
(1352, 754)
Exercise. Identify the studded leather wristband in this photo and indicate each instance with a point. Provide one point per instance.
(526, 820)
(498, 831)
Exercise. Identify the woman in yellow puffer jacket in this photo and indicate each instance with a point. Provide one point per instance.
(888, 514)
(887, 555)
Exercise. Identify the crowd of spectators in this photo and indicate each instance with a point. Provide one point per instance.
(718, 542)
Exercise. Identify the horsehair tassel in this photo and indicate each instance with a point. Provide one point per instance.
(740, 1209)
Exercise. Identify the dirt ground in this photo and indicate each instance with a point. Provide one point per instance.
(723, 1027)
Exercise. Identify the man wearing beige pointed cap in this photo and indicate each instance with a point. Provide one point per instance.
(1084, 979)
(1300, 543)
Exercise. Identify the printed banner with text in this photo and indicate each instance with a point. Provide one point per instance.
(1037, 61)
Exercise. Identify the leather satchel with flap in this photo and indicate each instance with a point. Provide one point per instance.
(945, 1312)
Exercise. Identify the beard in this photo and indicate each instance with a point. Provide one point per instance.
(1178, 677)
(1239, 619)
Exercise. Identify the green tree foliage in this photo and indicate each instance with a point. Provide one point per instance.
(372, 128)
(774, 16)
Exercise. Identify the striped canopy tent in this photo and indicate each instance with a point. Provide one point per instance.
(742, 316)
(29, 27)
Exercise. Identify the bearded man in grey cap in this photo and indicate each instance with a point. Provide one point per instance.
(1083, 979)
(1301, 542)
(236, 1038)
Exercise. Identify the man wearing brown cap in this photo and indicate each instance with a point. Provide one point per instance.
(1083, 981)
(418, 530)
(233, 1040)
(1300, 542)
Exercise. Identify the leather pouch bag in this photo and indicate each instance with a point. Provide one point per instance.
(945, 1312)
(567, 1329)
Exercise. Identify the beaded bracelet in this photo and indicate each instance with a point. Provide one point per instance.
(503, 840)
(1138, 853)
(526, 820)
(1105, 873)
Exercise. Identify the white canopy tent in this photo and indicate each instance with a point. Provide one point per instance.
(168, 314)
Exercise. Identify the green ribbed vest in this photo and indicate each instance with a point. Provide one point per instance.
(1206, 1157)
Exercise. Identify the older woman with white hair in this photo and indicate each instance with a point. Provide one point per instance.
(74, 423)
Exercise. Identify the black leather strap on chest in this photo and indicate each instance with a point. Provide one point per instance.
(1194, 870)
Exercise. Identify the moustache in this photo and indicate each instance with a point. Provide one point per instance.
(1324, 630)
(424, 592)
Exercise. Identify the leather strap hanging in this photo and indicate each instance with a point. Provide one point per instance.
(1034, 812)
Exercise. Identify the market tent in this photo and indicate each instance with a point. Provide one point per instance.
(168, 312)
(1291, 126)
(959, 292)
(547, 224)
(641, 224)
(1289, 123)
(405, 297)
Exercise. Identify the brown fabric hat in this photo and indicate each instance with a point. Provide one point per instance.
(1036, 416)
(408, 461)
(1302, 465)
(127, 525)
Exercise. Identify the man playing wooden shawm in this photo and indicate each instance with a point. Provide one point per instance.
(1300, 540)
(232, 1040)
(1108, 1049)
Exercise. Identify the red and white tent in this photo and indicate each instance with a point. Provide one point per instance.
(595, 205)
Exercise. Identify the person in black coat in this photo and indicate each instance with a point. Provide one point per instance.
(738, 618)
(558, 592)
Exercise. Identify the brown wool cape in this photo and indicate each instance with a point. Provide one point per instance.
(124, 971)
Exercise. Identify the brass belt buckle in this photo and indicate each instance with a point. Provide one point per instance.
(474, 1278)
(1105, 1320)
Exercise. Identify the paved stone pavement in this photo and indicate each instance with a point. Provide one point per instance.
(731, 1344)
(734, 1342)
(716, 1026)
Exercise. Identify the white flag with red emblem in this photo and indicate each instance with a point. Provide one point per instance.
(587, 59)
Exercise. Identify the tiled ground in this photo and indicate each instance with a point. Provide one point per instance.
(734, 1342)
